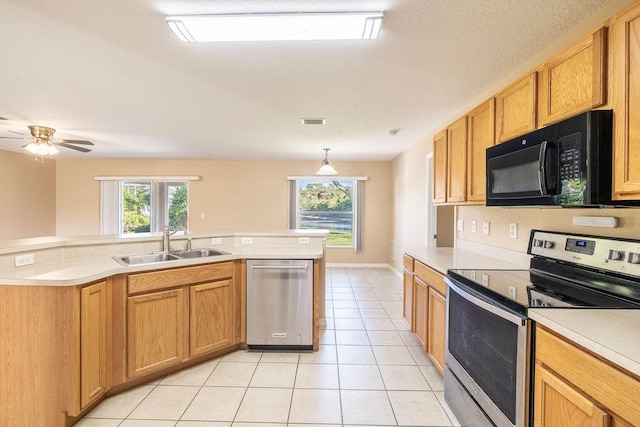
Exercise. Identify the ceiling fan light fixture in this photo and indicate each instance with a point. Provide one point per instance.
(276, 26)
(41, 148)
(326, 168)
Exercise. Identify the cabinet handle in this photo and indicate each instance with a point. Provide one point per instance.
(279, 267)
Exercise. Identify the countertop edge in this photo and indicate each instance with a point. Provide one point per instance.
(582, 339)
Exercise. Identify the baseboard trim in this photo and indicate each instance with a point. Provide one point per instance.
(357, 265)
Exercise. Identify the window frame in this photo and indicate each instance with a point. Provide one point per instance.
(357, 208)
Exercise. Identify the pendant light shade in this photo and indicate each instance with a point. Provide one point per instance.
(326, 168)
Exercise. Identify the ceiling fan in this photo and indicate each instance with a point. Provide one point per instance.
(43, 142)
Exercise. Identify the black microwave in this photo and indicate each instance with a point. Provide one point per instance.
(567, 164)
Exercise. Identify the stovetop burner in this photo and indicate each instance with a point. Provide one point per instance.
(567, 270)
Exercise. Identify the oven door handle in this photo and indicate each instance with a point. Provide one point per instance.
(485, 303)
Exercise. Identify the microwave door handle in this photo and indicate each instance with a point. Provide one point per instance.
(542, 170)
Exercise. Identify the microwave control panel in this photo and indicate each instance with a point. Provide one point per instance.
(570, 159)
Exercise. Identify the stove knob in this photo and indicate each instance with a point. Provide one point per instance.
(536, 302)
(634, 258)
(548, 244)
(615, 255)
(538, 243)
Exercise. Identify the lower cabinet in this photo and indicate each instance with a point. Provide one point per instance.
(155, 331)
(437, 325)
(420, 308)
(210, 317)
(177, 314)
(93, 343)
(407, 293)
(428, 309)
(575, 388)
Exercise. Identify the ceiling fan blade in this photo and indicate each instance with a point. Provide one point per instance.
(17, 133)
(11, 137)
(76, 141)
(73, 147)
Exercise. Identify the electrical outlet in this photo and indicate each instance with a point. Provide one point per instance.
(25, 259)
(216, 240)
(485, 279)
(485, 228)
(247, 240)
(474, 226)
(304, 240)
(460, 225)
(513, 230)
(512, 292)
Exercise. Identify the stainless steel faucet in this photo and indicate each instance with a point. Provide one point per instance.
(166, 244)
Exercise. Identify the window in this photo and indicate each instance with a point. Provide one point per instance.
(328, 203)
(143, 205)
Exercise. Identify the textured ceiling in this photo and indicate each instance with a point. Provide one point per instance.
(112, 72)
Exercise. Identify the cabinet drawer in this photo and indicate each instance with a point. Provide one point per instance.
(407, 262)
(432, 277)
(614, 389)
(156, 280)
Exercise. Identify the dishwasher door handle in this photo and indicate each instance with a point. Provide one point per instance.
(278, 267)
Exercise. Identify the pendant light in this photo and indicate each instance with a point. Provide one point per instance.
(326, 168)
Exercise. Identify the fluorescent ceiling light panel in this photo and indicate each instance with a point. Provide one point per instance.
(280, 26)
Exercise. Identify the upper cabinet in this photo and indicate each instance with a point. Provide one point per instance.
(481, 135)
(573, 81)
(516, 109)
(440, 167)
(625, 94)
(457, 161)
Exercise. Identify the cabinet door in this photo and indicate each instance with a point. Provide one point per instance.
(155, 331)
(481, 136)
(575, 80)
(437, 311)
(558, 404)
(516, 109)
(420, 307)
(407, 310)
(93, 343)
(211, 316)
(626, 104)
(457, 161)
(440, 167)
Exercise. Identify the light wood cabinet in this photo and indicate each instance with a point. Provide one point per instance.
(420, 309)
(516, 109)
(481, 122)
(93, 343)
(457, 161)
(211, 317)
(625, 96)
(407, 285)
(430, 312)
(575, 80)
(575, 388)
(559, 404)
(437, 323)
(156, 324)
(440, 167)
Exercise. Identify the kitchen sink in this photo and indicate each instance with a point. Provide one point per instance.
(146, 258)
(198, 253)
(167, 256)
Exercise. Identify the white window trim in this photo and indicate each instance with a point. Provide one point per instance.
(358, 195)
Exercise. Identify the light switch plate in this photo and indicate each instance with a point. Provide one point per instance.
(474, 226)
(485, 228)
(460, 225)
(216, 240)
(513, 230)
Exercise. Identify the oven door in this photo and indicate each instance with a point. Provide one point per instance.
(488, 352)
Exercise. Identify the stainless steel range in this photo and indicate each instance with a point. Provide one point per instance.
(488, 374)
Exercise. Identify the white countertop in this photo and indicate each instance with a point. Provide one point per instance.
(442, 259)
(85, 270)
(612, 334)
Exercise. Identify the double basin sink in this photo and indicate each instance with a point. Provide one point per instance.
(167, 256)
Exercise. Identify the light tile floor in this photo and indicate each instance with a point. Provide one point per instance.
(370, 371)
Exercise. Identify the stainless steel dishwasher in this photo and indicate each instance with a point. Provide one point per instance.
(280, 304)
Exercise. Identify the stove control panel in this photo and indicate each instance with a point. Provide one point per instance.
(600, 252)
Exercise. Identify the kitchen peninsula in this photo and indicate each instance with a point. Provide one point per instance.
(77, 325)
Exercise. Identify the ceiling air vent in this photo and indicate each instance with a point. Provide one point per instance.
(314, 121)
